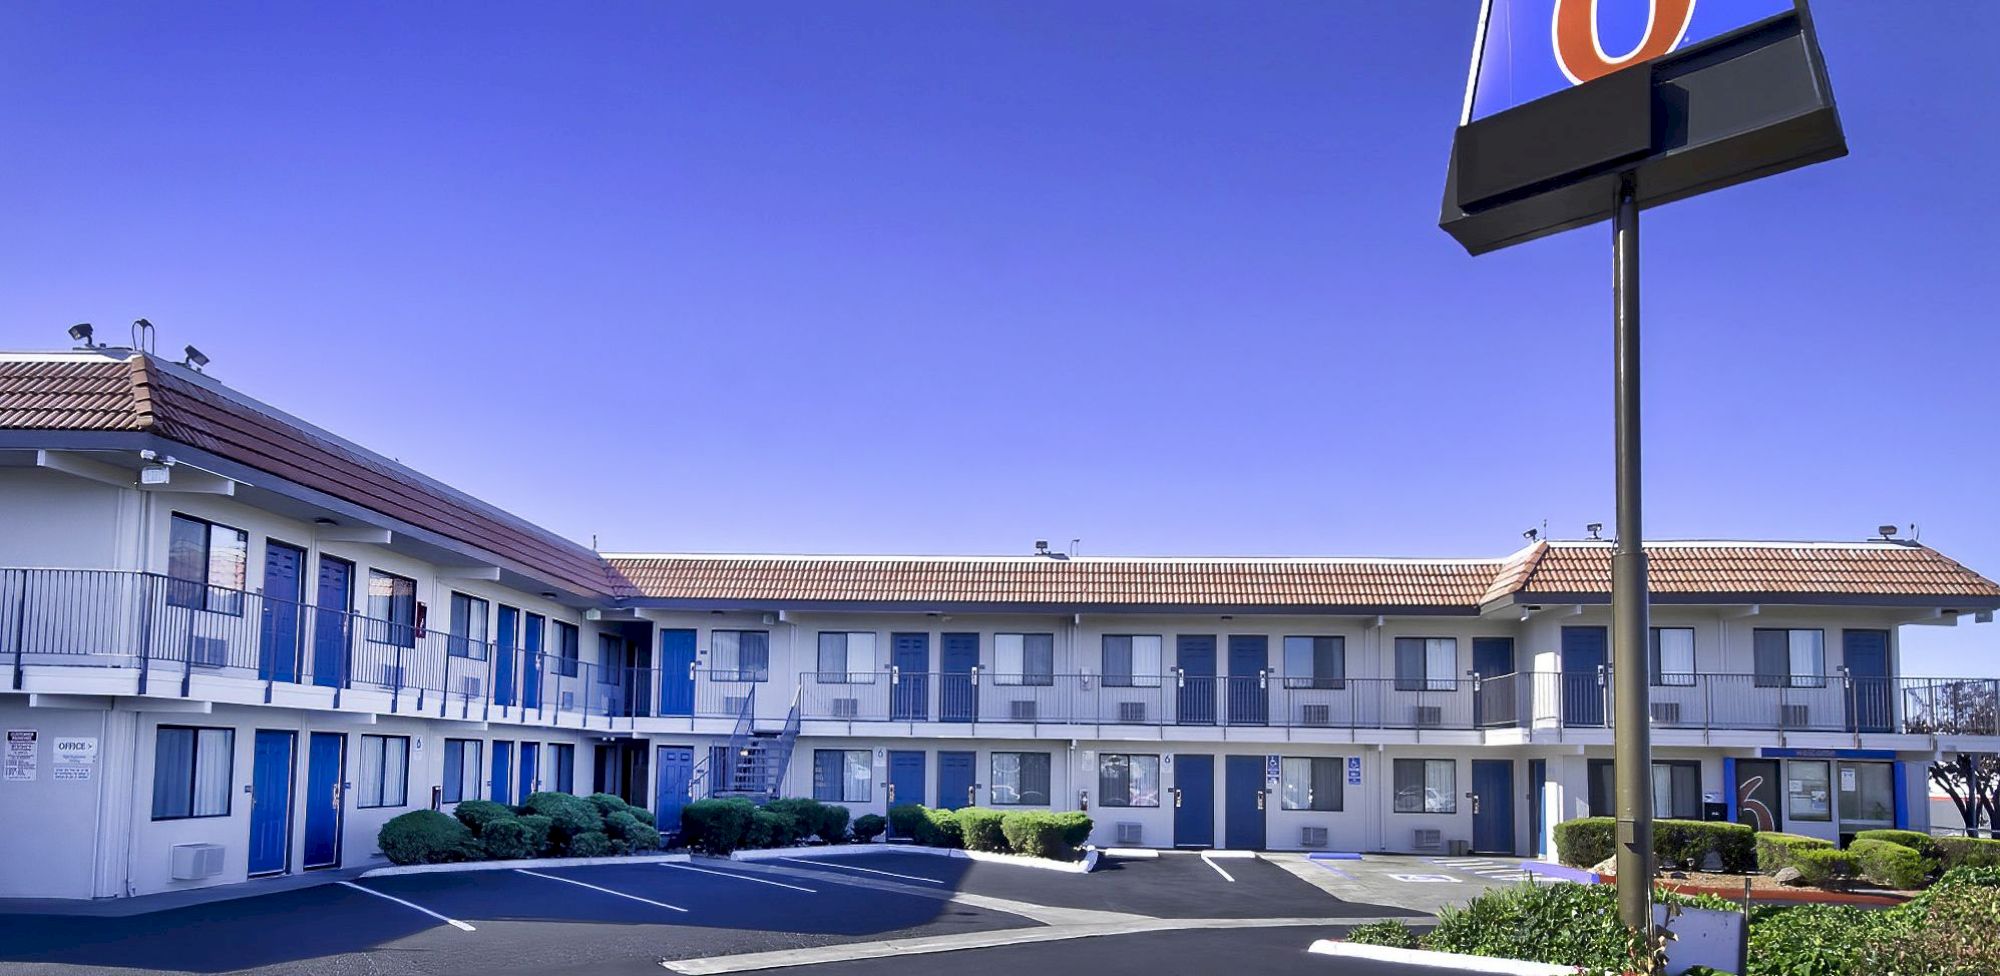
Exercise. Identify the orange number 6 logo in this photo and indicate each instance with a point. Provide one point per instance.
(1580, 54)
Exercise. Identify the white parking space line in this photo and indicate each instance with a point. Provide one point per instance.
(743, 877)
(850, 867)
(1205, 859)
(454, 923)
(608, 891)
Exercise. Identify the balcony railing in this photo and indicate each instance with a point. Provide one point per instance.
(175, 632)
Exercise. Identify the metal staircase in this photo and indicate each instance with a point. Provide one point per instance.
(752, 765)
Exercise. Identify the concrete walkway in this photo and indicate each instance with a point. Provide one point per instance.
(169, 900)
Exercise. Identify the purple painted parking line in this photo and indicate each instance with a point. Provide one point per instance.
(1335, 869)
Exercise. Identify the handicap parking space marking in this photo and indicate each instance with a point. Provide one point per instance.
(851, 867)
(1205, 859)
(741, 877)
(1425, 878)
(608, 891)
(454, 923)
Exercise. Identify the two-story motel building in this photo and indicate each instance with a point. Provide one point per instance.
(235, 644)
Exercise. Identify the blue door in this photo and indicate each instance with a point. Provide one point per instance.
(676, 672)
(1194, 657)
(1194, 801)
(1243, 806)
(1583, 656)
(1538, 781)
(326, 759)
(910, 699)
(504, 635)
(501, 789)
(958, 654)
(531, 757)
(1493, 657)
(676, 777)
(271, 802)
(531, 662)
(1249, 660)
(1493, 806)
(1871, 708)
(331, 624)
(955, 780)
(278, 654)
(906, 777)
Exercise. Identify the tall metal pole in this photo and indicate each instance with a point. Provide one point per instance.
(1632, 733)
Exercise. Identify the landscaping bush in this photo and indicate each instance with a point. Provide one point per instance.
(1586, 841)
(1388, 932)
(1978, 852)
(476, 814)
(569, 815)
(506, 840)
(716, 826)
(825, 820)
(1038, 834)
(643, 815)
(1565, 924)
(1776, 851)
(1076, 828)
(833, 820)
(869, 826)
(1952, 933)
(642, 838)
(537, 828)
(910, 821)
(1890, 864)
(425, 837)
(608, 803)
(941, 828)
(771, 829)
(981, 829)
(1688, 843)
(1824, 866)
(1814, 940)
(1923, 844)
(592, 843)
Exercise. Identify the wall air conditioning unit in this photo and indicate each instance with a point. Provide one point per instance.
(1316, 714)
(1022, 710)
(1794, 716)
(1312, 837)
(1427, 839)
(1667, 713)
(568, 701)
(846, 707)
(193, 862)
(208, 652)
(468, 685)
(1430, 716)
(1131, 833)
(1132, 713)
(733, 704)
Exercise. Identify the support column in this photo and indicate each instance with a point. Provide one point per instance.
(1632, 732)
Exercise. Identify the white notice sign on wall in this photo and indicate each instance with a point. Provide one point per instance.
(74, 759)
(19, 760)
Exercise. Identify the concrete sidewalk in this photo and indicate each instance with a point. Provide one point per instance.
(169, 900)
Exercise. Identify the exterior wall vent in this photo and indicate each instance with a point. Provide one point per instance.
(1427, 839)
(193, 862)
(208, 652)
(1667, 713)
(1022, 710)
(1313, 837)
(846, 707)
(1131, 832)
(1316, 714)
(1794, 716)
(1430, 716)
(1132, 712)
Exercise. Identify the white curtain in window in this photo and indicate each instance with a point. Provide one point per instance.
(723, 654)
(212, 759)
(1676, 655)
(860, 653)
(1808, 653)
(395, 771)
(1663, 786)
(469, 776)
(1297, 783)
(1441, 663)
(1146, 660)
(858, 777)
(1440, 786)
(1009, 658)
(370, 772)
(1006, 777)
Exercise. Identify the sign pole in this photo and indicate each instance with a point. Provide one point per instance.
(1631, 730)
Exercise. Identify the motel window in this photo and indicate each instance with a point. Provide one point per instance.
(740, 655)
(842, 776)
(192, 771)
(1024, 659)
(1310, 783)
(1128, 780)
(1426, 786)
(392, 609)
(1426, 663)
(1808, 792)
(563, 756)
(1131, 660)
(1676, 789)
(1789, 657)
(1315, 662)
(569, 648)
(461, 769)
(1020, 779)
(846, 657)
(1672, 656)
(383, 773)
(468, 627)
(207, 565)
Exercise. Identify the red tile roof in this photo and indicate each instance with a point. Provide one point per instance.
(1750, 570)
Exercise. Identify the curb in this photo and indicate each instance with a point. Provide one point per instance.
(1333, 856)
(1084, 866)
(1563, 872)
(1142, 853)
(1440, 961)
(531, 862)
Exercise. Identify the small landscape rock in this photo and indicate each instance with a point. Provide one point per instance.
(1607, 866)
(1788, 876)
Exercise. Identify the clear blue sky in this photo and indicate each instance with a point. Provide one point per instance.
(951, 277)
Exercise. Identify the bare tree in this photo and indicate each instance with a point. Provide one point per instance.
(1961, 707)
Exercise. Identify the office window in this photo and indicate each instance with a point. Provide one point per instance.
(1024, 659)
(192, 771)
(610, 660)
(382, 776)
(1672, 656)
(1677, 789)
(1131, 660)
(842, 776)
(569, 649)
(846, 657)
(392, 609)
(1808, 794)
(1310, 783)
(1426, 786)
(468, 627)
(1020, 779)
(1789, 657)
(1315, 662)
(207, 565)
(461, 769)
(740, 655)
(562, 756)
(1128, 780)
(1426, 663)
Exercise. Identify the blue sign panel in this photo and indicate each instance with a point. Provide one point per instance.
(1527, 49)
(1354, 770)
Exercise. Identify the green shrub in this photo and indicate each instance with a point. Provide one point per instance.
(716, 826)
(1953, 933)
(1890, 864)
(1923, 844)
(425, 837)
(608, 803)
(981, 829)
(1564, 924)
(1076, 827)
(643, 815)
(506, 840)
(869, 826)
(644, 837)
(909, 821)
(942, 828)
(625, 827)
(1688, 843)
(476, 814)
(619, 824)
(537, 827)
(1824, 866)
(1388, 932)
(592, 843)
(827, 821)
(1978, 852)
(1038, 834)
(833, 820)
(1586, 841)
(1776, 851)
(1814, 940)
(769, 828)
(569, 815)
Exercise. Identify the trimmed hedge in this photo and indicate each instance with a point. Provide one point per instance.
(771, 829)
(941, 828)
(537, 827)
(1973, 852)
(716, 827)
(569, 815)
(506, 840)
(425, 837)
(1388, 932)
(592, 843)
(608, 803)
(1587, 841)
(1923, 844)
(1824, 867)
(869, 826)
(476, 814)
(909, 820)
(827, 821)
(1777, 851)
(981, 829)
(1890, 864)
(1038, 834)
(1076, 826)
